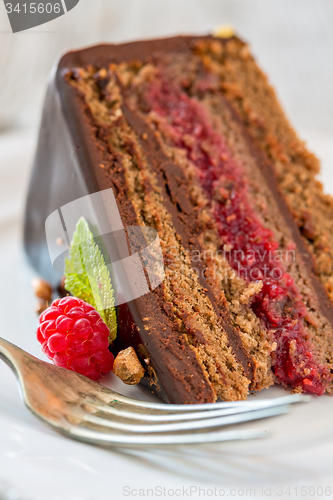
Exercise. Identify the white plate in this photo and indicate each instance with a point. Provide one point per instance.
(37, 463)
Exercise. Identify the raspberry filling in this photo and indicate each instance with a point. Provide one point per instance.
(252, 250)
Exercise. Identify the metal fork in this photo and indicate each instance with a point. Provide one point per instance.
(87, 411)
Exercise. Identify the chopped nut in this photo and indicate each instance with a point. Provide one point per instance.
(224, 31)
(216, 47)
(60, 241)
(118, 113)
(292, 347)
(128, 367)
(103, 73)
(42, 289)
(61, 288)
(245, 52)
(249, 292)
(40, 306)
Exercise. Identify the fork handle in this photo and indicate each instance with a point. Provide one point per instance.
(12, 355)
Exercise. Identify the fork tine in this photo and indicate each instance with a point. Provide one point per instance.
(93, 407)
(68, 392)
(128, 440)
(163, 417)
(116, 398)
(86, 418)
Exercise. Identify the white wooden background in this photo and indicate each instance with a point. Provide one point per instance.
(293, 41)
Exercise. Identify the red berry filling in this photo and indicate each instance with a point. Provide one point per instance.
(184, 123)
(74, 336)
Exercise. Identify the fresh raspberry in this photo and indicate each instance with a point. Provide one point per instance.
(74, 336)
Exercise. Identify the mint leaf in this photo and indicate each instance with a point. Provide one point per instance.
(87, 276)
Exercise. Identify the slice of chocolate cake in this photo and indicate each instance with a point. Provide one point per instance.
(190, 137)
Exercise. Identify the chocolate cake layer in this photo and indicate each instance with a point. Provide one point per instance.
(158, 123)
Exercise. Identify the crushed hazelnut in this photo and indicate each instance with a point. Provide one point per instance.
(103, 73)
(128, 367)
(216, 47)
(42, 289)
(61, 288)
(249, 292)
(292, 347)
(118, 113)
(224, 31)
(40, 306)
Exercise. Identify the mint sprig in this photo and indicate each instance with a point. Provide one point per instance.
(87, 276)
